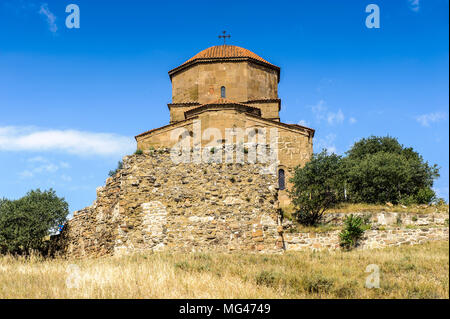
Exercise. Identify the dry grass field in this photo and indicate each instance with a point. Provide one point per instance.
(420, 271)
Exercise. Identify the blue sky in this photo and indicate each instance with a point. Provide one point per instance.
(71, 100)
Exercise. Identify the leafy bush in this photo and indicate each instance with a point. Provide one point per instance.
(425, 196)
(119, 167)
(382, 170)
(376, 170)
(138, 152)
(317, 186)
(25, 222)
(407, 200)
(352, 232)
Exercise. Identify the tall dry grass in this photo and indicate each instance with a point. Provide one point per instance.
(420, 271)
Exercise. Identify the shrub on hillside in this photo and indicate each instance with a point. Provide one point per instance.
(317, 186)
(352, 232)
(25, 222)
(380, 170)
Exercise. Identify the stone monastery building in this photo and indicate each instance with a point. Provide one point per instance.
(153, 203)
(226, 87)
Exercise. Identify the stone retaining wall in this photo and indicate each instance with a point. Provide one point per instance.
(391, 218)
(371, 238)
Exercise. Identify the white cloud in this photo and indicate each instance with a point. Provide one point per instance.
(26, 174)
(352, 120)
(50, 167)
(414, 5)
(51, 18)
(40, 165)
(321, 112)
(337, 117)
(16, 138)
(303, 123)
(326, 143)
(39, 159)
(427, 119)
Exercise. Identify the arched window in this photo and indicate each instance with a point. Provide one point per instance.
(281, 184)
(222, 92)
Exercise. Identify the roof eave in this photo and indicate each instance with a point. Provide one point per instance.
(228, 59)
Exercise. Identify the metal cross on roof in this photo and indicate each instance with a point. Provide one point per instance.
(224, 36)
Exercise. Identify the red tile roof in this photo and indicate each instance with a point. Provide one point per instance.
(223, 52)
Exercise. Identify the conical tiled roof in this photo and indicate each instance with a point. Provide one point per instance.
(223, 52)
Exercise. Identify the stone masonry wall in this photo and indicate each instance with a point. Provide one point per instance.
(154, 204)
(371, 238)
(391, 218)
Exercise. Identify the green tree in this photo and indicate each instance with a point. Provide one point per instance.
(373, 145)
(25, 222)
(317, 186)
(381, 170)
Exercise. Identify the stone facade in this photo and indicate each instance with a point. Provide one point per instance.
(294, 144)
(243, 81)
(228, 87)
(153, 204)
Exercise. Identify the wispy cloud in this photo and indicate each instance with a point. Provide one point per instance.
(303, 123)
(39, 165)
(328, 143)
(50, 17)
(337, 117)
(26, 174)
(427, 119)
(321, 112)
(414, 5)
(16, 138)
(352, 120)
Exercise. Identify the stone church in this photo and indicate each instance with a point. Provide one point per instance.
(225, 87)
(155, 203)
